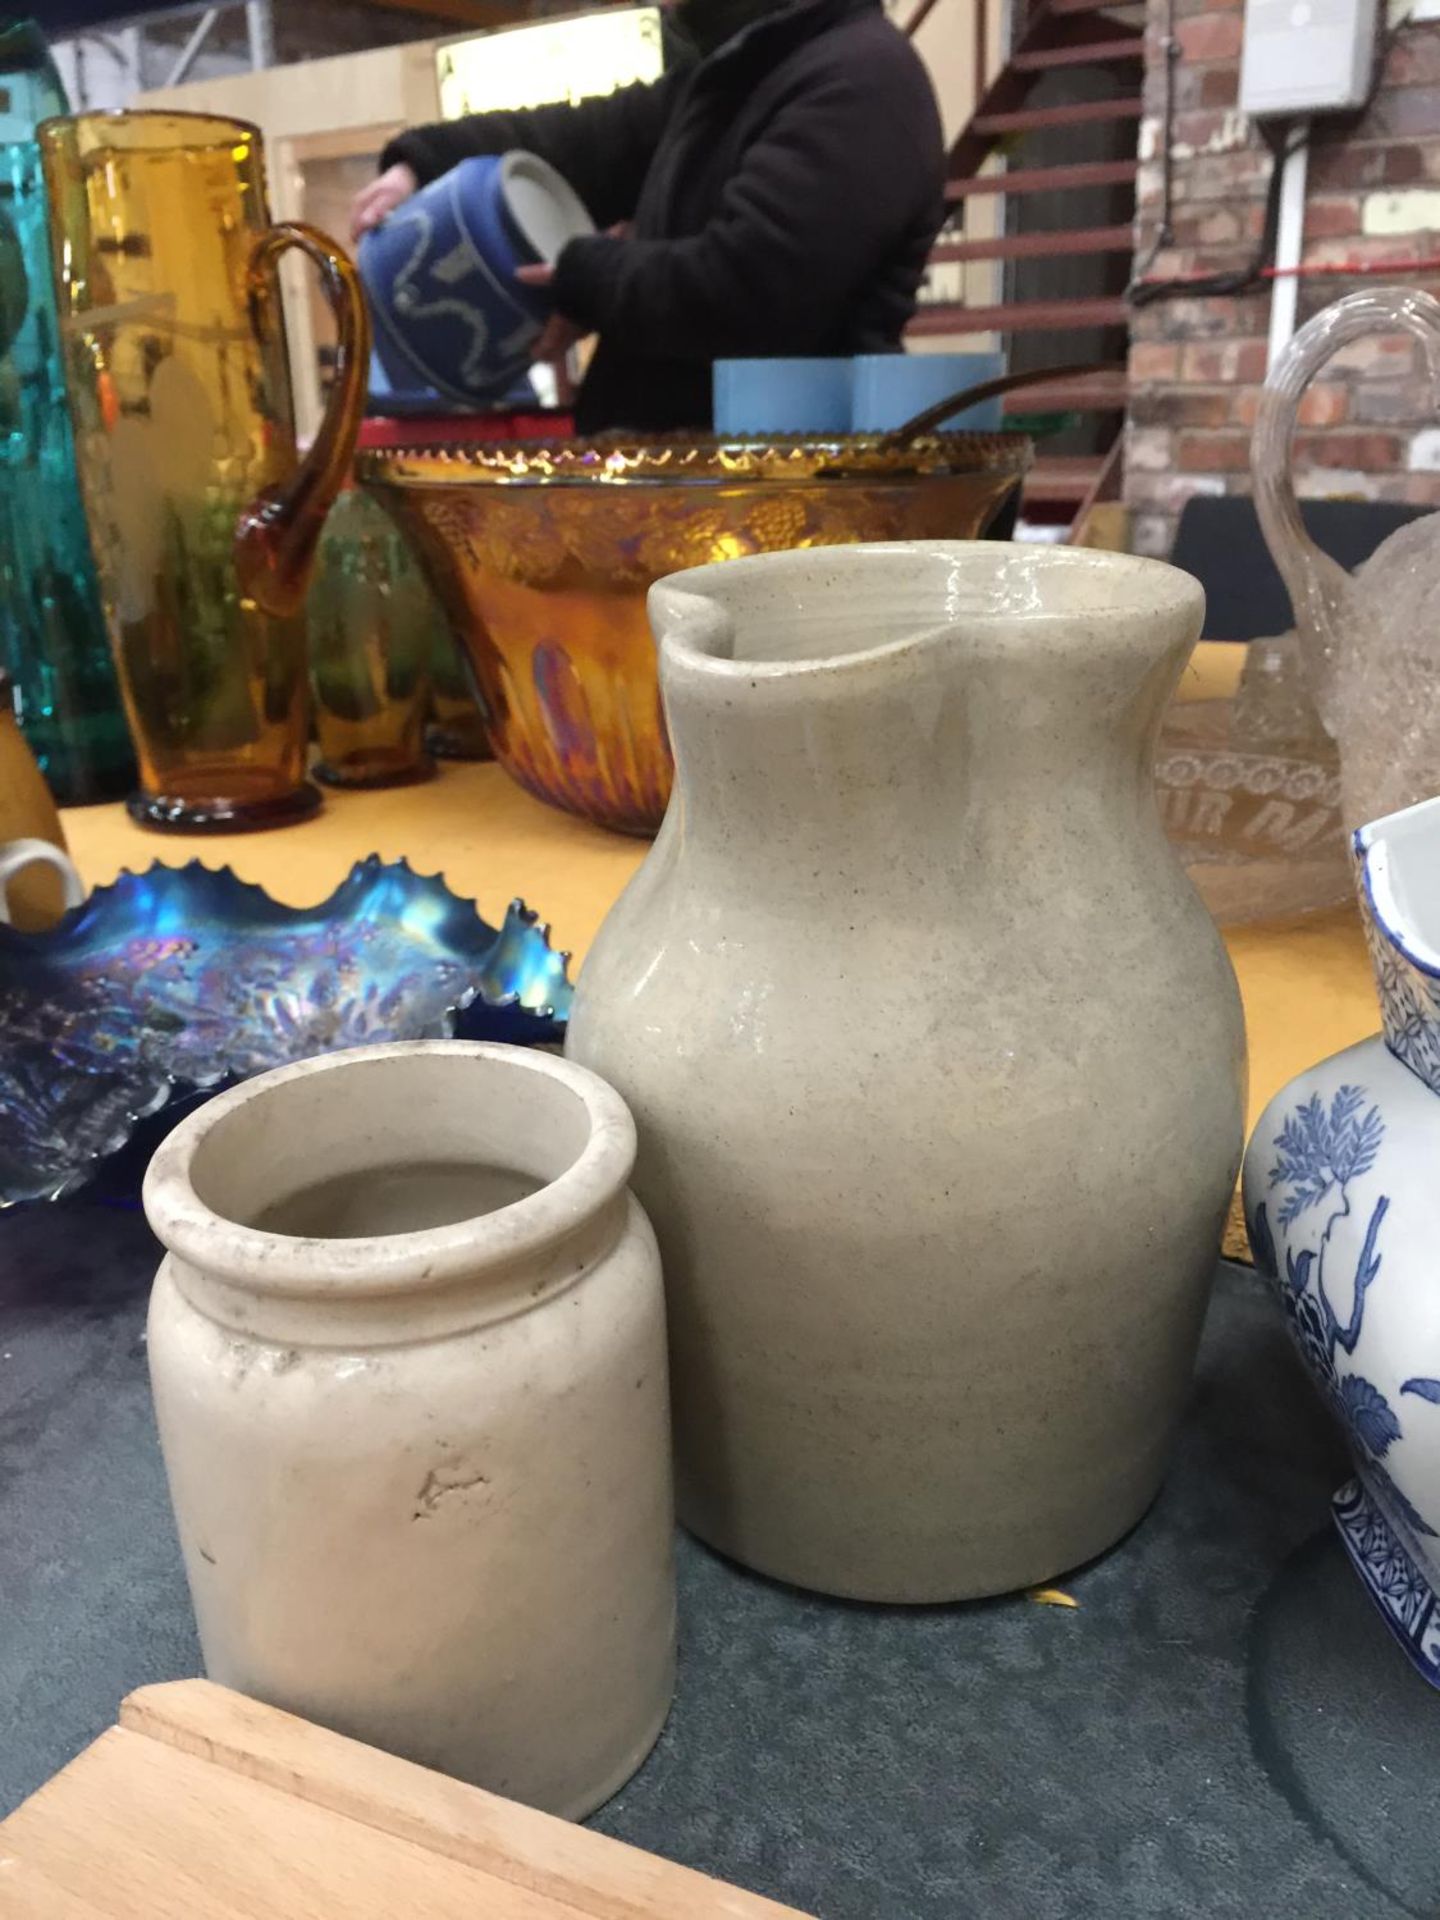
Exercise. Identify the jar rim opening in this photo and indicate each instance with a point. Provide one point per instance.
(222, 1163)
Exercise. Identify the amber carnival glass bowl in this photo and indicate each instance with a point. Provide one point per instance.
(543, 552)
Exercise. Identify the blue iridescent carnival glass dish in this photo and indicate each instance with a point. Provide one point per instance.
(171, 984)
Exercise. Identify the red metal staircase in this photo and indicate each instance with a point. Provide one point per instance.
(1053, 137)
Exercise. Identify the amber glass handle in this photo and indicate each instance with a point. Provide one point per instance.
(277, 534)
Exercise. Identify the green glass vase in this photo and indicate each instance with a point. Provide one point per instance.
(372, 621)
(53, 638)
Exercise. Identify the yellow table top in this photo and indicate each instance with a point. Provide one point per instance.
(1305, 982)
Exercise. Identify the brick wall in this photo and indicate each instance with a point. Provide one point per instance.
(1196, 365)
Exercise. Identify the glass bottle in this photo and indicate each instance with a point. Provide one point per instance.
(53, 638)
(371, 618)
(457, 720)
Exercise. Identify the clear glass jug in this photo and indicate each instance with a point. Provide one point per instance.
(1372, 639)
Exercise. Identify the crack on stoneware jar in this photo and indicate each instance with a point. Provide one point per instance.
(440, 1483)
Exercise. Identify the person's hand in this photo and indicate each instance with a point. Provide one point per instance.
(559, 334)
(371, 205)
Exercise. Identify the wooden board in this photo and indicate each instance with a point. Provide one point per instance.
(204, 1805)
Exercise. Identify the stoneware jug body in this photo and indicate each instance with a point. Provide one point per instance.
(936, 1059)
(408, 1358)
(1372, 639)
(1344, 1216)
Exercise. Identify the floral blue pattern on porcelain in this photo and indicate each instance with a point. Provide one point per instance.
(1407, 1601)
(1343, 1209)
(171, 984)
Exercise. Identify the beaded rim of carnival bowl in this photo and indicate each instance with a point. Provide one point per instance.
(695, 460)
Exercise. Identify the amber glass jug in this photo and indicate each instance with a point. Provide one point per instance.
(203, 517)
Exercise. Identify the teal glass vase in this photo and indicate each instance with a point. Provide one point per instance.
(53, 637)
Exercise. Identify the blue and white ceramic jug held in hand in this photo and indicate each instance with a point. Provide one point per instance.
(936, 1057)
(1372, 639)
(1343, 1207)
(440, 274)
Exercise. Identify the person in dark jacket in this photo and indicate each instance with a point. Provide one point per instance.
(776, 193)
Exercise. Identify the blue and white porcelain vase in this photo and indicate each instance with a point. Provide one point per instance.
(450, 315)
(1342, 1202)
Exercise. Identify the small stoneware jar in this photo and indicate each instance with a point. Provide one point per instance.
(408, 1356)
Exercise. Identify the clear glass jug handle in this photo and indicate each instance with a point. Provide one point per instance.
(278, 533)
(1318, 586)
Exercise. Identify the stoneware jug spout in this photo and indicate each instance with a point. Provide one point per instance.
(887, 1000)
(887, 717)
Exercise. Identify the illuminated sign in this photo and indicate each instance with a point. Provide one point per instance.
(548, 61)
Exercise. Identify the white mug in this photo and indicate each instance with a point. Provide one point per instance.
(18, 854)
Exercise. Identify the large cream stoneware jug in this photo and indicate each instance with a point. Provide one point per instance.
(936, 1057)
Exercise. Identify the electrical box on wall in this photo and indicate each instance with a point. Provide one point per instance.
(1307, 56)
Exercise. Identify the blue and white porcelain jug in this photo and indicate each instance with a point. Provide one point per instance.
(1342, 1201)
